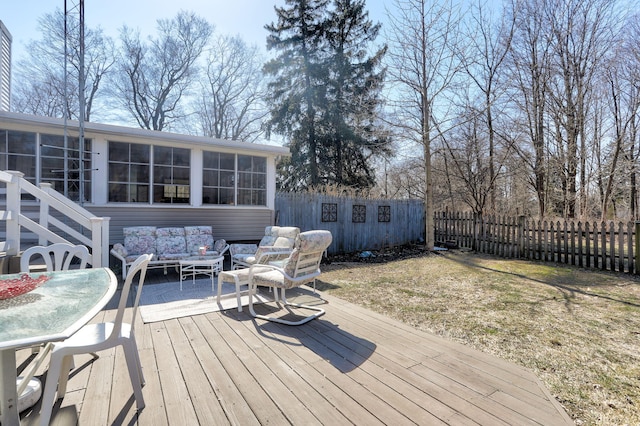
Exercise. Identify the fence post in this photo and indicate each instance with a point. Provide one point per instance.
(636, 257)
(521, 236)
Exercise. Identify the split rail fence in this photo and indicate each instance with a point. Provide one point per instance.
(598, 245)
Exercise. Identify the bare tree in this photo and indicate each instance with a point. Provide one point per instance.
(632, 77)
(422, 67)
(620, 92)
(231, 105)
(487, 51)
(581, 35)
(40, 82)
(154, 77)
(529, 63)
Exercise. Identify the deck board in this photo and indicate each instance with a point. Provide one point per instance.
(350, 366)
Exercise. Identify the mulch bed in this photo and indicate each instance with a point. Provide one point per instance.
(380, 256)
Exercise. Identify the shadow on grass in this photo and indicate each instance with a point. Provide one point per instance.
(577, 288)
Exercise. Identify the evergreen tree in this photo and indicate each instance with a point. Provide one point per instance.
(298, 37)
(324, 92)
(353, 95)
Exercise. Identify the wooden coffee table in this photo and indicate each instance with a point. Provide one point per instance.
(204, 265)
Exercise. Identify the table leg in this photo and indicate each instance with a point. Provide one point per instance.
(213, 274)
(8, 391)
(181, 277)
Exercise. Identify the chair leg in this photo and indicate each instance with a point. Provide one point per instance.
(49, 393)
(319, 311)
(133, 365)
(138, 362)
(67, 365)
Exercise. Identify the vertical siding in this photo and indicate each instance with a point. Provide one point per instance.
(305, 211)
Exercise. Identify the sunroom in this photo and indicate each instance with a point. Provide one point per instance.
(142, 177)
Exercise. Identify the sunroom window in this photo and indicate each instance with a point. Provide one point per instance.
(234, 179)
(171, 175)
(252, 180)
(59, 164)
(218, 178)
(129, 172)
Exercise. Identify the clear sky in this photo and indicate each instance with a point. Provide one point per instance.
(246, 18)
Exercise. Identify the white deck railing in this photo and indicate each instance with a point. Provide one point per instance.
(49, 198)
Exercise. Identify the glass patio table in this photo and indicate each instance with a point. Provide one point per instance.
(62, 303)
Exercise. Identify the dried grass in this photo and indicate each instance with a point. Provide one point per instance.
(578, 330)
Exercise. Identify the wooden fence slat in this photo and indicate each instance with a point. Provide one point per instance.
(552, 245)
(621, 254)
(580, 237)
(588, 244)
(605, 246)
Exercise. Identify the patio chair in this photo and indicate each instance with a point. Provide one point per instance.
(301, 267)
(276, 244)
(56, 257)
(97, 337)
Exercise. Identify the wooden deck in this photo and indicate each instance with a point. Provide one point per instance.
(351, 366)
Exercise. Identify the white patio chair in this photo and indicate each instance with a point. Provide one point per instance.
(301, 267)
(97, 337)
(56, 257)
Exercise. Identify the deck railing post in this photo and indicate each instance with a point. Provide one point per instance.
(13, 213)
(44, 211)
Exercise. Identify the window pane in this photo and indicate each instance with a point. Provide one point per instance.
(139, 193)
(118, 172)
(211, 160)
(260, 164)
(139, 173)
(162, 194)
(162, 174)
(162, 155)
(210, 195)
(210, 177)
(119, 151)
(52, 168)
(181, 174)
(25, 164)
(244, 180)
(22, 143)
(259, 198)
(227, 161)
(244, 197)
(181, 157)
(139, 153)
(117, 192)
(227, 179)
(226, 196)
(259, 181)
(244, 163)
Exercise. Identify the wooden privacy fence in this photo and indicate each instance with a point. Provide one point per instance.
(598, 245)
(356, 224)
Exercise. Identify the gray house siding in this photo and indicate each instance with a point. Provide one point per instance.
(233, 225)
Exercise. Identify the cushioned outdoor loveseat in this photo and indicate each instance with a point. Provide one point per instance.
(168, 245)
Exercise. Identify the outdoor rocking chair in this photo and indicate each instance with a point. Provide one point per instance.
(301, 267)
